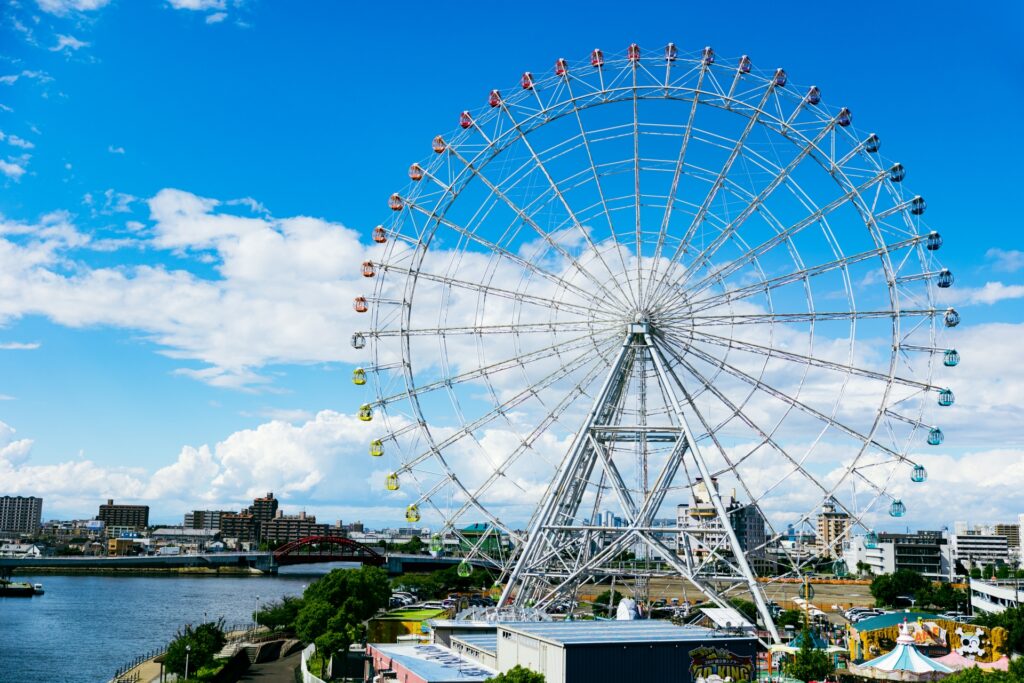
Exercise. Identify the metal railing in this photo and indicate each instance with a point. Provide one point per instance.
(128, 674)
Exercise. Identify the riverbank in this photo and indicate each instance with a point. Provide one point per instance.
(142, 571)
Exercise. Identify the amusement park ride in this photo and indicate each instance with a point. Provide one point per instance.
(638, 274)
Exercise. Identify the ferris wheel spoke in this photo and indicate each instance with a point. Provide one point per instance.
(676, 176)
(491, 290)
(543, 427)
(782, 236)
(785, 398)
(581, 342)
(719, 181)
(568, 368)
(565, 204)
(767, 439)
(802, 359)
(733, 295)
(509, 328)
(501, 251)
(712, 320)
(593, 168)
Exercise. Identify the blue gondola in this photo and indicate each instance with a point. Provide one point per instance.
(871, 540)
(813, 95)
(946, 398)
(952, 318)
(945, 279)
(935, 436)
(934, 241)
(897, 173)
(872, 144)
(897, 508)
(919, 474)
(839, 568)
(950, 358)
(844, 118)
(918, 205)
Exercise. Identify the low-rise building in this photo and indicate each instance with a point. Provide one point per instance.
(996, 596)
(286, 528)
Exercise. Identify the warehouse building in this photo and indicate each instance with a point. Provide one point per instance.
(576, 652)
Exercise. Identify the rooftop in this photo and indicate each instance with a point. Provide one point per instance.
(488, 642)
(887, 620)
(595, 632)
(434, 664)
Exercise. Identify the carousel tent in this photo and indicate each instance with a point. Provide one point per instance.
(904, 663)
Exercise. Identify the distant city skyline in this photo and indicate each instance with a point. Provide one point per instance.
(181, 228)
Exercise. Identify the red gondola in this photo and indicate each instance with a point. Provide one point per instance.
(597, 59)
(439, 144)
(368, 269)
(379, 235)
(495, 98)
(465, 120)
(526, 81)
(633, 52)
(416, 173)
(395, 202)
(561, 67)
(359, 304)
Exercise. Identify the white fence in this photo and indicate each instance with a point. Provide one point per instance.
(307, 677)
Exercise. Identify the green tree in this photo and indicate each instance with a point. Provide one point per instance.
(601, 607)
(975, 572)
(863, 568)
(746, 608)
(426, 586)
(1012, 619)
(517, 674)
(885, 588)
(280, 614)
(943, 597)
(414, 546)
(809, 663)
(789, 617)
(335, 608)
(1002, 572)
(198, 645)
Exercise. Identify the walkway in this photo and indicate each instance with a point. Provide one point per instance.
(279, 671)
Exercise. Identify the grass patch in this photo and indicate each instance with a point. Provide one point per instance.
(413, 614)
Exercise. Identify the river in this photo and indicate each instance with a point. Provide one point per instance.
(85, 627)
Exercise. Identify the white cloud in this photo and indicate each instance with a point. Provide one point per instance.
(216, 17)
(1008, 260)
(64, 7)
(990, 293)
(115, 150)
(15, 141)
(68, 43)
(19, 346)
(40, 76)
(11, 169)
(197, 5)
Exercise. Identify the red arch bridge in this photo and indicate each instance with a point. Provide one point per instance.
(313, 549)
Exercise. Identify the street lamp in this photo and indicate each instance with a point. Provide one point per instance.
(188, 650)
(256, 617)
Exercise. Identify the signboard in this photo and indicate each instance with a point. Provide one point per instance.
(708, 662)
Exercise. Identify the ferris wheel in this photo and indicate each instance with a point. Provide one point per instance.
(648, 315)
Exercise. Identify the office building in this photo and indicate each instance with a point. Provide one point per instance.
(833, 527)
(20, 515)
(976, 549)
(924, 552)
(237, 528)
(263, 510)
(123, 516)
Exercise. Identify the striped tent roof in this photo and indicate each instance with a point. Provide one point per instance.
(905, 657)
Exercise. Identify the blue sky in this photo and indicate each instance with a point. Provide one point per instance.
(316, 109)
